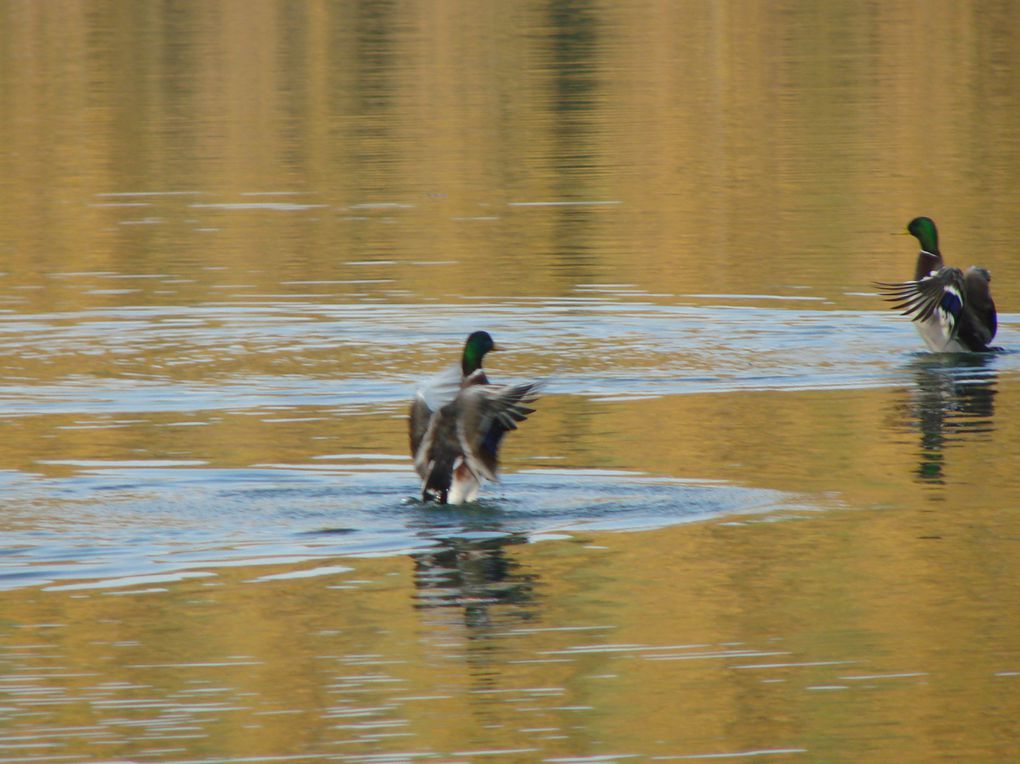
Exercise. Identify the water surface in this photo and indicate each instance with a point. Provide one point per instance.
(750, 519)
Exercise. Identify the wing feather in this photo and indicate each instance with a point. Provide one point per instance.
(434, 393)
(939, 295)
(981, 321)
(418, 421)
(439, 389)
(485, 414)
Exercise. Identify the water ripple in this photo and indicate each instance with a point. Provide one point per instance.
(138, 359)
(127, 526)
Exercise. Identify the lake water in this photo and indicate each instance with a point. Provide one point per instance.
(750, 518)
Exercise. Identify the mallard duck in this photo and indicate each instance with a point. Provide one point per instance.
(457, 422)
(952, 310)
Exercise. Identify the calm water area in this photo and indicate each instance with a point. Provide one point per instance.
(750, 519)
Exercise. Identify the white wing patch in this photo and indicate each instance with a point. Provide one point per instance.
(441, 388)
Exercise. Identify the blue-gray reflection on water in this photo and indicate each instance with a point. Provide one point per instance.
(126, 526)
(127, 523)
(609, 349)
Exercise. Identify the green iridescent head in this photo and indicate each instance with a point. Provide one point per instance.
(477, 345)
(924, 230)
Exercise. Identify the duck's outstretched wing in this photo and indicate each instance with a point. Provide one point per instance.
(940, 296)
(433, 393)
(485, 413)
(441, 388)
(980, 320)
(417, 425)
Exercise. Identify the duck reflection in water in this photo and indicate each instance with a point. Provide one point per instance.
(953, 400)
(477, 576)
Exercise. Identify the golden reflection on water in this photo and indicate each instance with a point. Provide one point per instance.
(748, 148)
(764, 636)
(296, 160)
(814, 634)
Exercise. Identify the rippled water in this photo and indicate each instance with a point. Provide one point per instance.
(116, 520)
(593, 347)
(749, 519)
(124, 524)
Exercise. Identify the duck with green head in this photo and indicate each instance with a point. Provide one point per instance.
(457, 422)
(952, 310)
